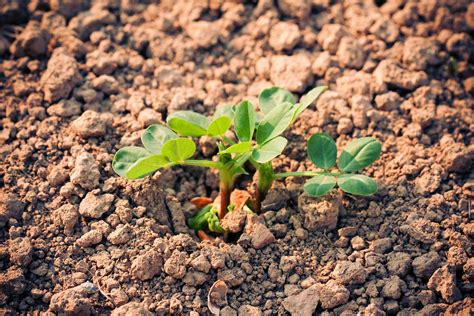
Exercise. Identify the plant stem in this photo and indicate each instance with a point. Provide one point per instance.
(203, 163)
(305, 174)
(265, 178)
(225, 189)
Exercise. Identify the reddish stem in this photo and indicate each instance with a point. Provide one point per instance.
(225, 200)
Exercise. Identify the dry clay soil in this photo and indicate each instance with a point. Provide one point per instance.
(79, 80)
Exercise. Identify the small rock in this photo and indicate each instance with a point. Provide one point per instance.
(291, 72)
(95, 205)
(107, 84)
(86, 172)
(385, 29)
(382, 245)
(399, 263)
(90, 238)
(175, 266)
(260, 235)
(132, 308)
(443, 281)
(73, 301)
(388, 71)
(349, 231)
(420, 52)
(393, 288)
(425, 265)
(388, 101)
(321, 64)
(284, 35)
(347, 272)
(65, 108)
(66, 216)
(373, 310)
(121, 235)
(358, 243)
(32, 41)
(90, 124)
(234, 221)
(149, 116)
(146, 266)
(204, 34)
(195, 278)
(60, 77)
(288, 263)
(201, 264)
(464, 307)
(350, 53)
(249, 310)
(296, 8)
(304, 303)
(87, 22)
(10, 206)
(332, 294)
(344, 126)
(21, 251)
(319, 213)
(330, 36)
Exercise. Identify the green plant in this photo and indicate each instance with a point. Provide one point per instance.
(357, 155)
(258, 140)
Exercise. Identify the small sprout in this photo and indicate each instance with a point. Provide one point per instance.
(259, 141)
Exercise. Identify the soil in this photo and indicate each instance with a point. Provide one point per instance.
(81, 79)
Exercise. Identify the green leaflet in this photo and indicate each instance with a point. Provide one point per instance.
(274, 122)
(319, 185)
(155, 136)
(188, 123)
(322, 150)
(244, 121)
(127, 156)
(357, 184)
(359, 153)
(147, 165)
(269, 150)
(219, 126)
(179, 149)
(274, 96)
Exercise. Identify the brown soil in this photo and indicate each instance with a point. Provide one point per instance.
(79, 80)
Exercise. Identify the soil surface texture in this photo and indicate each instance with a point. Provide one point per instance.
(81, 79)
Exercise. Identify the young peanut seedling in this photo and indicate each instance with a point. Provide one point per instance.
(259, 141)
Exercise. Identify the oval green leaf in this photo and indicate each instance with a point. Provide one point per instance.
(219, 126)
(155, 136)
(224, 110)
(308, 99)
(359, 153)
(319, 185)
(188, 123)
(244, 121)
(270, 150)
(357, 184)
(146, 165)
(271, 97)
(275, 122)
(238, 148)
(179, 149)
(322, 150)
(127, 156)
